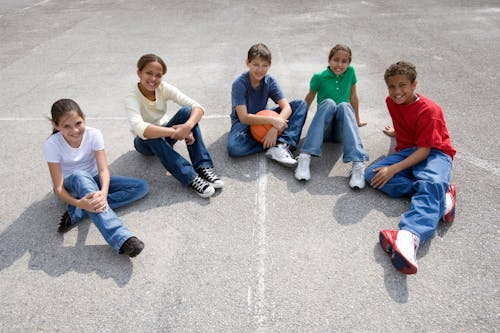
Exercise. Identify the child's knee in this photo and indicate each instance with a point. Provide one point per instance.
(234, 150)
(369, 173)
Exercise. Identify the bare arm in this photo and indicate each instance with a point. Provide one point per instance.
(354, 100)
(310, 98)
(385, 173)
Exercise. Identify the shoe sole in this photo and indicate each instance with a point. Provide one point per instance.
(207, 195)
(216, 186)
(398, 261)
(291, 165)
(450, 217)
(357, 187)
(302, 178)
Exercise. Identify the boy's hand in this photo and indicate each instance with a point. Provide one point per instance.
(270, 138)
(382, 176)
(279, 124)
(389, 131)
(362, 123)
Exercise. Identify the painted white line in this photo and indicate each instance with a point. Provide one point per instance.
(215, 116)
(260, 311)
(35, 5)
(479, 162)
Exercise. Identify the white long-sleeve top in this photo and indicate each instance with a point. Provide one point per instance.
(141, 112)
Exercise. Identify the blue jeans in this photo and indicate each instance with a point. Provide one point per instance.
(335, 123)
(177, 165)
(122, 191)
(241, 143)
(426, 183)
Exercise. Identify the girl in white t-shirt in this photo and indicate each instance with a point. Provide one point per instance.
(80, 176)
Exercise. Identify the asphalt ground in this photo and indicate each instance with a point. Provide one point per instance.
(267, 253)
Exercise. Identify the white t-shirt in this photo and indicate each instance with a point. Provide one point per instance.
(57, 150)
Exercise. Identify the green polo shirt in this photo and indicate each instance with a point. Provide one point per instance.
(337, 87)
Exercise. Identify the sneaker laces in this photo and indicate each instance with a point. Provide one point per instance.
(199, 184)
(283, 150)
(208, 174)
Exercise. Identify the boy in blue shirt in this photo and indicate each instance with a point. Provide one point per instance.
(249, 95)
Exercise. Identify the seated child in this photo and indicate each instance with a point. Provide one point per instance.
(420, 168)
(80, 176)
(337, 116)
(249, 95)
(156, 134)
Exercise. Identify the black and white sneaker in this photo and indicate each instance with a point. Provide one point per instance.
(202, 187)
(209, 175)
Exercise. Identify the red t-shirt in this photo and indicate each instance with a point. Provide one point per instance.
(420, 124)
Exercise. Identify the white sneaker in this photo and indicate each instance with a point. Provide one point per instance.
(402, 247)
(281, 154)
(302, 171)
(357, 175)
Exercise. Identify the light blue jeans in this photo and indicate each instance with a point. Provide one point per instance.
(163, 148)
(241, 143)
(122, 191)
(335, 123)
(426, 183)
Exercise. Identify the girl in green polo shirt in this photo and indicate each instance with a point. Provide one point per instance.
(337, 116)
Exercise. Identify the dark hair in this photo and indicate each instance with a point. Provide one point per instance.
(401, 68)
(62, 107)
(149, 58)
(259, 50)
(340, 47)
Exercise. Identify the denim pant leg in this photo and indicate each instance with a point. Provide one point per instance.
(240, 141)
(124, 190)
(81, 183)
(291, 135)
(401, 184)
(198, 152)
(428, 203)
(319, 125)
(345, 129)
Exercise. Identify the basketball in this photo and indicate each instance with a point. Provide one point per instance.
(259, 131)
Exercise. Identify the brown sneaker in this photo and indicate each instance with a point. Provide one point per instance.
(132, 247)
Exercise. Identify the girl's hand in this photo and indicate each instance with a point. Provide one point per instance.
(270, 138)
(362, 123)
(382, 176)
(182, 131)
(389, 131)
(189, 139)
(279, 124)
(95, 202)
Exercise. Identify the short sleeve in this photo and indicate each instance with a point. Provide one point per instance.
(238, 94)
(50, 151)
(354, 77)
(314, 83)
(97, 140)
(275, 92)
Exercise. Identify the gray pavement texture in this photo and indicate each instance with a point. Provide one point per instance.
(267, 253)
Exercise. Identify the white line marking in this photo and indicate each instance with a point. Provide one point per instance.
(260, 308)
(479, 162)
(215, 116)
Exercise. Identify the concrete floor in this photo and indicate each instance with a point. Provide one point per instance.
(267, 254)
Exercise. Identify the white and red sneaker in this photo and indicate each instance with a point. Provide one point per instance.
(401, 246)
(451, 200)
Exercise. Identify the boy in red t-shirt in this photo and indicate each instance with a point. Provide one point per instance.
(420, 168)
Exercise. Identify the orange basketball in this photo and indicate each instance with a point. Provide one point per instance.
(260, 131)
